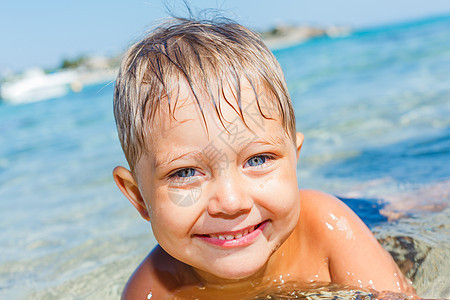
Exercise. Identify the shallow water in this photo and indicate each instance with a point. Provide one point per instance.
(374, 109)
(289, 290)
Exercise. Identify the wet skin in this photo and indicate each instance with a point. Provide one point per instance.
(225, 208)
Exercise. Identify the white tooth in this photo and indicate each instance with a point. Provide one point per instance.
(213, 236)
(251, 229)
(229, 237)
(221, 237)
(239, 235)
(245, 232)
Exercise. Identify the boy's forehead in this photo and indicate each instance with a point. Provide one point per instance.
(206, 117)
(189, 137)
(245, 100)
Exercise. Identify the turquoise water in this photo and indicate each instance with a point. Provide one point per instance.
(374, 107)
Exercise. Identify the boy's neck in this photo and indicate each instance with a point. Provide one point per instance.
(208, 285)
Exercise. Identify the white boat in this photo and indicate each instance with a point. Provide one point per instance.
(35, 85)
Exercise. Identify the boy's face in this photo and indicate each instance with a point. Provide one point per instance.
(219, 201)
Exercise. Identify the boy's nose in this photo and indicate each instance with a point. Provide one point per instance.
(229, 197)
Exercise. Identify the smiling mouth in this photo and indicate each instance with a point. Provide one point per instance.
(231, 235)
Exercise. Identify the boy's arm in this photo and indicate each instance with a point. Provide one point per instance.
(156, 275)
(355, 256)
(137, 286)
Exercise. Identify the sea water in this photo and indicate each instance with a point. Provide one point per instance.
(374, 107)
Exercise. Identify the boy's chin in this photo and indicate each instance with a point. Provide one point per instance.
(240, 274)
(236, 271)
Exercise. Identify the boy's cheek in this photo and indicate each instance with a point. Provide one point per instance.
(167, 217)
(279, 194)
(168, 229)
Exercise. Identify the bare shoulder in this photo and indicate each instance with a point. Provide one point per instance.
(355, 256)
(334, 222)
(158, 275)
(320, 204)
(323, 213)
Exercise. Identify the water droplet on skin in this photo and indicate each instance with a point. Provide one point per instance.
(360, 283)
(343, 225)
(329, 226)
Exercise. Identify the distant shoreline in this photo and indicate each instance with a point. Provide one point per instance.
(282, 36)
(35, 84)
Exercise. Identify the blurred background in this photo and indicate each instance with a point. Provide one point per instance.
(43, 34)
(370, 82)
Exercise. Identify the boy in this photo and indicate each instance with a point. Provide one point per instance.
(207, 126)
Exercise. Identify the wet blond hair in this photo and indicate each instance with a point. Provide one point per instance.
(209, 56)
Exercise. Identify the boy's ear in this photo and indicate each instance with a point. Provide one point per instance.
(299, 142)
(128, 186)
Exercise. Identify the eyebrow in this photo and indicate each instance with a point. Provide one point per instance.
(169, 158)
(271, 140)
(199, 155)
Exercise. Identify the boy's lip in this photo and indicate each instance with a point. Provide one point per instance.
(234, 232)
(234, 238)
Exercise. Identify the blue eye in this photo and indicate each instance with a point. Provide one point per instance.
(183, 173)
(257, 160)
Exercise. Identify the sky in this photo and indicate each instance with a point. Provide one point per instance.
(43, 33)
